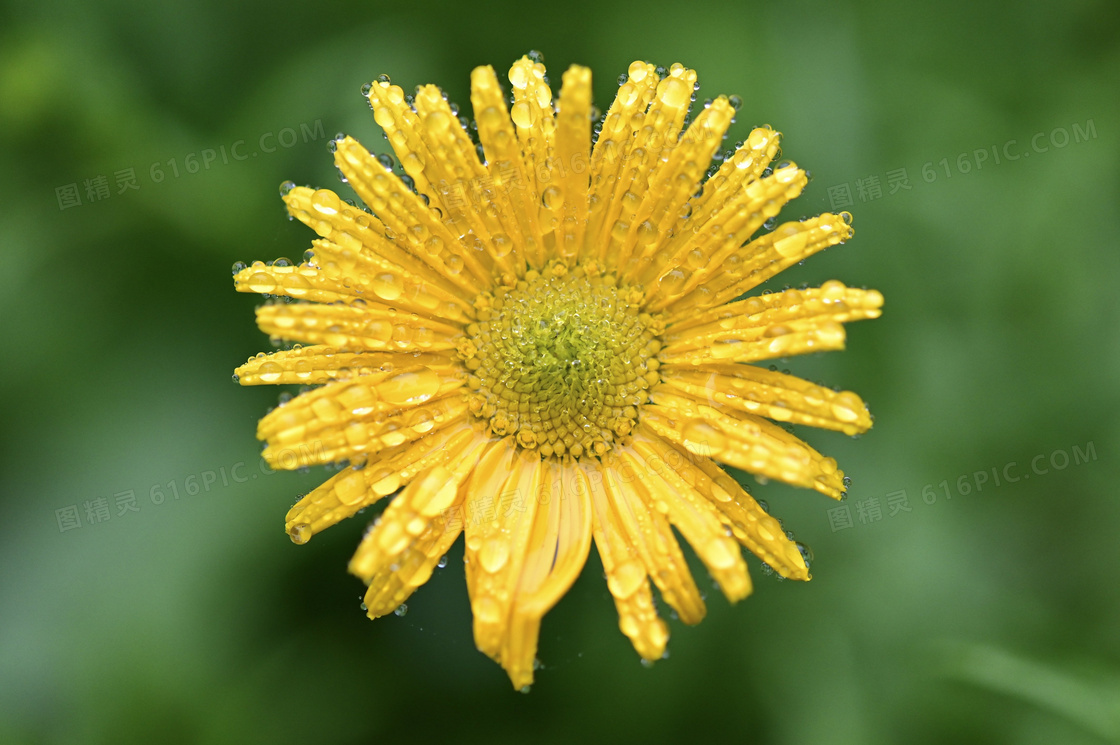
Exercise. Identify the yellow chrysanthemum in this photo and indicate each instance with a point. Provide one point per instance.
(536, 342)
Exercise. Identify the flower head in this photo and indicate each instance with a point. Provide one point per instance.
(536, 340)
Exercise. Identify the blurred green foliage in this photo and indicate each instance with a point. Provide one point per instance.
(987, 617)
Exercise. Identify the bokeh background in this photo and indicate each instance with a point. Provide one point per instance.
(977, 144)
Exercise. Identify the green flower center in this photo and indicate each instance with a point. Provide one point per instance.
(563, 360)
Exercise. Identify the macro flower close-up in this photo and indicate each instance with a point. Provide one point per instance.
(547, 381)
(541, 335)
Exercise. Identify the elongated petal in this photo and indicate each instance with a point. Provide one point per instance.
(737, 510)
(774, 395)
(691, 250)
(780, 324)
(357, 327)
(318, 364)
(698, 520)
(732, 273)
(416, 529)
(627, 578)
(362, 485)
(353, 418)
(513, 199)
(414, 225)
(651, 533)
(559, 539)
(741, 440)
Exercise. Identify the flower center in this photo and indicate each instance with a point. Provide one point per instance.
(563, 360)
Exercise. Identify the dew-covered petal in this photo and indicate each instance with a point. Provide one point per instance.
(664, 209)
(749, 524)
(413, 225)
(535, 124)
(768, 393)
(513, 199)
(559, 539)
(357, 327)
(362, 485)
(404, 546)
(741, 440)
(347, 419)
(735, 271)
(625, 567)
(466, 193)
(358, 242)
(565, 197)
(665, 490)
(697, 245)
(319, 364)
(649, 530)
(504, 474)
(614, 165)
(781, 324)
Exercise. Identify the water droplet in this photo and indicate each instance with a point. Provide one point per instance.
(552, 198)
(487, 610)
(325, 202)
(436, 492)
(523, 115)
(626, 578)
(806, 553)
(410, 387)
(674, 92)
(300, 533)
(494, 554)
(721, 552)
(401, 609)
(286, 187)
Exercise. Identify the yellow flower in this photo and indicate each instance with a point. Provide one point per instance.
(536, 342)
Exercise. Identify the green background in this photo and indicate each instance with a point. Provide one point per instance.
(984, 617)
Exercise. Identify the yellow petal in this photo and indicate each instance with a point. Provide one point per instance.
(647, 528)
(614, 164)
(499, 476)
(558, 542)
(664, 210)
(358, 487)
(774, 395)
(414, 225)
(512, 198)
(467, 196)
(564, 196)
(351, 419)
(355, 245)
(741, 440)
(320, 364)
(625, 567)
(303, 282)
(535, 125)
(416, 529)
(357, 327)
(738, 511)
(695, 246)
(733, 272)
(780, 324)
(666, 491)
